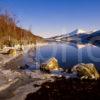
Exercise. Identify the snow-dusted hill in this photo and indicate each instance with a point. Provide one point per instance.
(77, 32)
(68, 35)
(77, 35)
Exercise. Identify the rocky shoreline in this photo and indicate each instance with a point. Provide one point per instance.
(50, 79)
(12, 78)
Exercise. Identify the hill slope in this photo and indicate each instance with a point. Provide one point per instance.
(11, 34)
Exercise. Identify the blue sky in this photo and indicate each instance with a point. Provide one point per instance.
(54, 17)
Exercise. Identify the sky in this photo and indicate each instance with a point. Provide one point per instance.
(48, 18)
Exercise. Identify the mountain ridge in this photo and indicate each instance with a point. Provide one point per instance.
(78, 35)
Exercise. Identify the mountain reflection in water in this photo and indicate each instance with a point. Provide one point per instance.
(69, 54)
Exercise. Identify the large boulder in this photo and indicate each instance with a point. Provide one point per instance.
(50, 65)
(86, 71)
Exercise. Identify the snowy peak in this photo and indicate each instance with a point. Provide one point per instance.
(77, 31)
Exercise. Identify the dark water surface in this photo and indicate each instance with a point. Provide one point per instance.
(69, 54)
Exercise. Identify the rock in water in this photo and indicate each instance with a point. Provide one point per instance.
(86, 71)
(50, 65)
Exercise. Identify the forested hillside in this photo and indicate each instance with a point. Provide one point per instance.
(11, 34)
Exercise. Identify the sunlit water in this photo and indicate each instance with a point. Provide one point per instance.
(69, 54)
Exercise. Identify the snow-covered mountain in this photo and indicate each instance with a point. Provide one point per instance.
(77, 32)
(77, 35)
(71, 34)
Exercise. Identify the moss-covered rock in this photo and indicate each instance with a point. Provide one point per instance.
(86, 71)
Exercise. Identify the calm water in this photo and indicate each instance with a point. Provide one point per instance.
(69, 54)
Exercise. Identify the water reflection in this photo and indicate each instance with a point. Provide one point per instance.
(69, 54)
